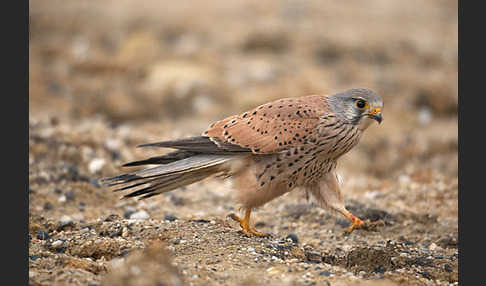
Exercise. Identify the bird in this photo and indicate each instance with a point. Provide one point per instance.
(270, 150)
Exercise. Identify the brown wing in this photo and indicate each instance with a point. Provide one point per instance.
(273, 126)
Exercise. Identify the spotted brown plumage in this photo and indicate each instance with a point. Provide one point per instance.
(273, 126)
(267, 151)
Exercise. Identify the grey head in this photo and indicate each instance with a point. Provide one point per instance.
(358, 106)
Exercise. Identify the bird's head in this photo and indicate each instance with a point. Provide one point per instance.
(358, 106)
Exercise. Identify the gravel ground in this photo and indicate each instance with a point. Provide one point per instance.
(105, 76)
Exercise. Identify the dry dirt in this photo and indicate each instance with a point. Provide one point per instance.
(105, 76)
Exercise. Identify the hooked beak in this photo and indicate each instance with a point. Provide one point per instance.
(376, 114)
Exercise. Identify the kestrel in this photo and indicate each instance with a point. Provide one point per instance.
(268, 151)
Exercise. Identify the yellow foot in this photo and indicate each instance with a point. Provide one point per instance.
(366, 225)
(360, 224)
(245, 225)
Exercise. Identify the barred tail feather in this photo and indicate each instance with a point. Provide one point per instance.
(153, 181)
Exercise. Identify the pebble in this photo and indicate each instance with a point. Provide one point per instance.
(125, 232)
(70, 195)
(272, 271)
(433, 246)
(94, 182)
(57, 244)
(42, 235)
(128, 213)
(65, 219)
(113, 144)
(170, 217)
(84, 230)
(325, 273)
(293, 237)
(47, 206)
(62, 199)
(140, 215)
(34, 257)
(96, 164)
(448, 268)
(380, 269)
(424, 116)
(201, 220)
(313, 256)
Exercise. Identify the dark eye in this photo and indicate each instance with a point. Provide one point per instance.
(360, 103)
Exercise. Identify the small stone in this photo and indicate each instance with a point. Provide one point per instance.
(47, 206)
(273, 271)
(113, 144)
(57, 244)
(170, 218)
(424, 116)
(125, 232)
(70, 195)
(62, 199)
(433, 246)
(448, 268)
(96, 164)
(128, 213)
(65, 222)
(112, 217)
(66, 219)
(34, 257)
(94, 182)
(42, 235)
(293, 237)
(260, 224)
(325, 273)
(380, 269)
(313, 256)
(84, 230)
(140, 215)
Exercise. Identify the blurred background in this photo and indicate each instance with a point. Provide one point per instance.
(107, 75)
(177, 66)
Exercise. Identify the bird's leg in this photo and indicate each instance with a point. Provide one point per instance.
(245, 224)
(358, 223)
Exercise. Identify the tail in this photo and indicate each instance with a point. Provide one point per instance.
(157, 180)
